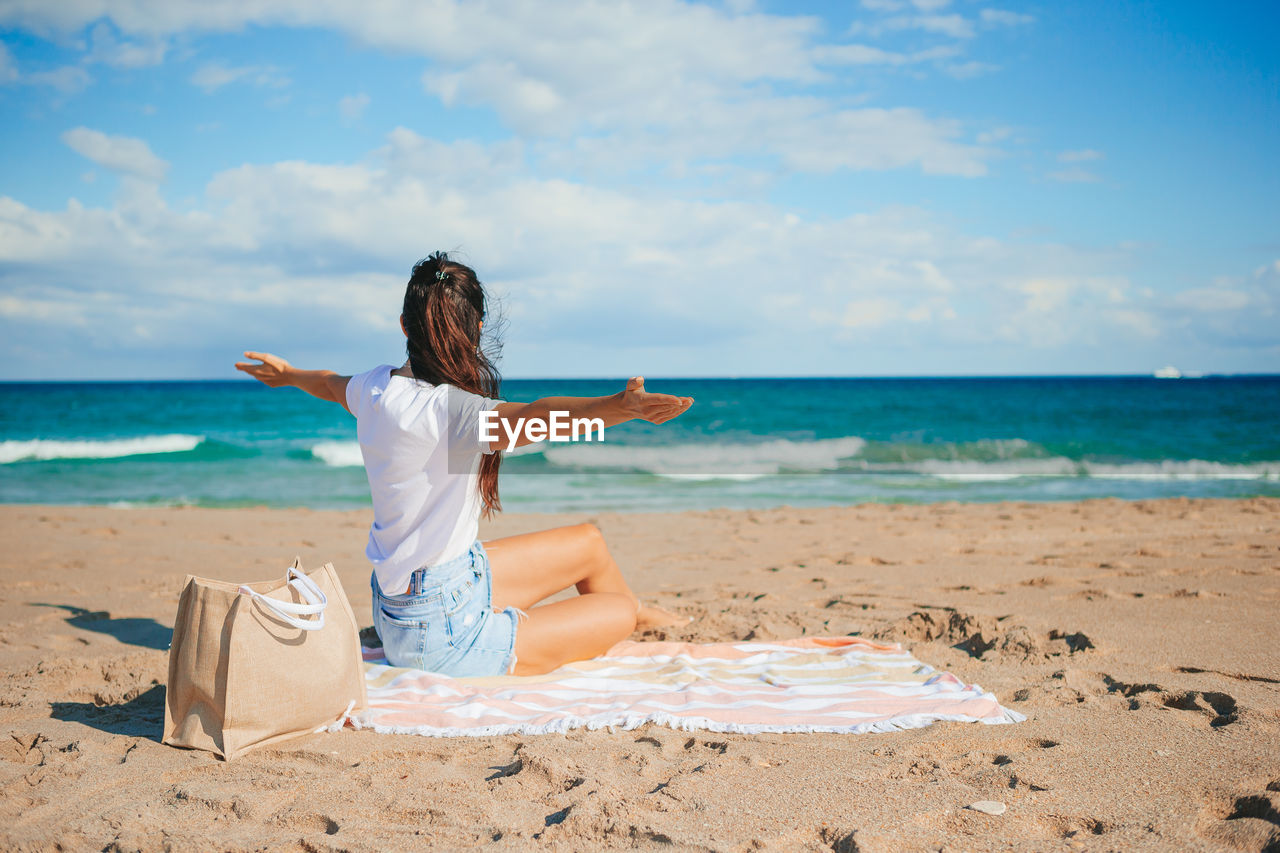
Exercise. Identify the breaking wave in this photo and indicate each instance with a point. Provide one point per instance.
(41, 449)
(709, 460)
(989, 460)
(339, 454)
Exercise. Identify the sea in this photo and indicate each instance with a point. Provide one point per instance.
(746, 443)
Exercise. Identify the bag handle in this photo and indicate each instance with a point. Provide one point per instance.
(289, 611)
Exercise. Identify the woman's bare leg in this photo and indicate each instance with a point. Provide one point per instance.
(574, 629)
(532, 566)
(529, 567)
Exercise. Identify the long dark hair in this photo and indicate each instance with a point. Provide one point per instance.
(444, 304)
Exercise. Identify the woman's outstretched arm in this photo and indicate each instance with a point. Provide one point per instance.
(275, 372)
(631, 403)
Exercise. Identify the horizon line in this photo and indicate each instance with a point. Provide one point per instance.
(703, 377)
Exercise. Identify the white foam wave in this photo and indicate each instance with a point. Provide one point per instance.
(1012, 469)
(994, 470)
(698, 478)
(739, 461)
(339, 454)
(43, 449)
(710, 460)
(152, 504)
(1184, 469)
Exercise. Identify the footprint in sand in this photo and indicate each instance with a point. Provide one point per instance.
(310, 823)
(716, 746)
(1249, 822)
(1078, 827)
(840, 839)
(1221, 709)
(841, 604)
(204, 795)
(1238, 676)
(979, 636)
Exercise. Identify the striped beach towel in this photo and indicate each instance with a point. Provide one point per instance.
(812, 684)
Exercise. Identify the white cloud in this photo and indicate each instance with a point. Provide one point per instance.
(927, 19)
(858, 54)
(861, 54)
(796, 132)
(803, 133)
(931, 310)
(691, 76)
(1074, 175)
(869, 313)
(1004, 18)
(899, 5)
(351, 107)
(1046, 294)
(334, 239)
(118, 153)
(68, 79)
(970, 69)
(1074, 310)
(278, 246)
(1234, 311)
(1227, 294)
(213, 76)
(954, 26)
(1142, 323)
(1213, 299)
(996, 134)
(8, 71)
(563, 251)
(106, 48)
(1081, 156)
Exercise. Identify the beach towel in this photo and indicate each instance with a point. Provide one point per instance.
(813, 684)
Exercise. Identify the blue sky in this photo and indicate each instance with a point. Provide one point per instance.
(891, 187)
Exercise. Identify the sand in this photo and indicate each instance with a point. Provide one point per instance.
(1140, 639)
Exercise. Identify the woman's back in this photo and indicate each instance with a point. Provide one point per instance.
(421, 447)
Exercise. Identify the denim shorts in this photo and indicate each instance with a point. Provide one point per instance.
(445, 623)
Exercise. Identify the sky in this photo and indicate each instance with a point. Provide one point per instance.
(874, 188)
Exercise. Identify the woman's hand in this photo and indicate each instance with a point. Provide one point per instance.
(273, 371)
(654, 408)
(633, 402)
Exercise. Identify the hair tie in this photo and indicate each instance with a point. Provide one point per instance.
(441, 275)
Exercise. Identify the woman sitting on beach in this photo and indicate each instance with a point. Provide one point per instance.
(442, 601)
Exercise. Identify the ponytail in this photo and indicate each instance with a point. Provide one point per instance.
(444, 305)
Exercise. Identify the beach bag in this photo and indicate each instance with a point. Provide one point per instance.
(258, 663)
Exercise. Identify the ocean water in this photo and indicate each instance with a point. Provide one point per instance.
(745, 443)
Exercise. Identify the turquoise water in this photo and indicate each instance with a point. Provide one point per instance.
(745, 443)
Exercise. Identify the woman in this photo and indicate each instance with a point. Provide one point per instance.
(442, 601)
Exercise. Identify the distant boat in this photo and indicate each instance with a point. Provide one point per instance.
(1169, 372)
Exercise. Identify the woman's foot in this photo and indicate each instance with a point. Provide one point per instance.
(652, 616)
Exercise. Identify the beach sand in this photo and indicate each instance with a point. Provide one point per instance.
(1140, 639)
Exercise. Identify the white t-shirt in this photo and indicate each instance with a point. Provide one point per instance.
(421, 447)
